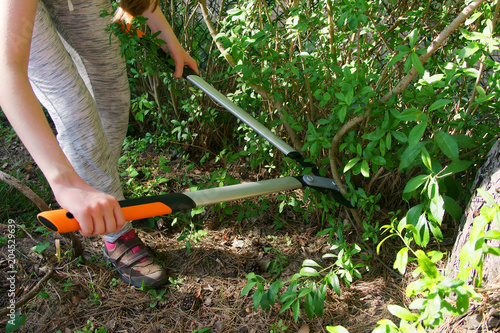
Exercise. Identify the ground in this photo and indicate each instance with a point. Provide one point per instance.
(206, 279)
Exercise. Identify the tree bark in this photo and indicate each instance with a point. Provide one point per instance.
(488, 179)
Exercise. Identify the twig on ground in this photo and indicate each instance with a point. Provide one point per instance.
(28, 193)
(32, 293)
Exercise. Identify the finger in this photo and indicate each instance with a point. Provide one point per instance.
(86, 224)
(119, 217)
(98, 210)
(109, 221)
(194, 66)
(99, 224)
(178, 72)
(179, 67)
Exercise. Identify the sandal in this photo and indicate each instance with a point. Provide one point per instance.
(134, 263)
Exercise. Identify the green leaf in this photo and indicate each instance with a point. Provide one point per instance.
(296, 310)
(310, 263)
(257, 296)
(351, 164)
(462, 303)
(342, 113)
(439, 104)
(412, 114)
(308, 271)
(418, 304)
(287, 305)
(457, 166)
(397, 57)
(264, 302)
(492, 234)
(412, 37)
(415, 60)
(319, 300)
(437, 208)
(473, 18)
(416, 133)
(493, 250)
(432, 188)
(413, 214)
(402, 313)
(452, 207)
(309, 305)
(333, 281)
(423, 235)
(487, 197)
(410, 154)
(401, 260)
(336, 329)
(365, 169)
(426, 159)
(273, 290)
(426, 264)
(378, 160)
(436, 231)
(39, 248)
(415, 183)
(375, 135)
(447, 144)
(451, 283)
(14, 324)
(401, 137)
(303, 292)
(382, 241)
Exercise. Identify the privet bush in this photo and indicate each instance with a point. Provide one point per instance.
(396, 100)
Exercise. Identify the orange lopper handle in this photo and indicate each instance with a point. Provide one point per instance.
(62, 221)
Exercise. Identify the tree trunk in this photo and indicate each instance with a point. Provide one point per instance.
(488, 179)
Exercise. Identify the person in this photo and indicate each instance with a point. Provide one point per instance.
(57, 53)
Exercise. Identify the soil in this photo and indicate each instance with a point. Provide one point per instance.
(84, 294)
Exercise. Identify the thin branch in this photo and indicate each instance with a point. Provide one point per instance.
(438, 41)
(474, 91)
(333, 150)
(213, 33)
(32, 293)
(28, 193)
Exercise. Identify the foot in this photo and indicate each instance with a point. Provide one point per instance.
(134, 263)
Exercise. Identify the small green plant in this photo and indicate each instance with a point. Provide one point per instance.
(39, 248)
(43, 294)
(309, 286)
(89, 328)
(280, 327)
(94, 295)
(175, 284)
(157, 296)
(67, 285)
(275, 266)
(114, 282)
(192, 237)
(434, 294)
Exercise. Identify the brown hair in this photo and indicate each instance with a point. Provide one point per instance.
(128, 9)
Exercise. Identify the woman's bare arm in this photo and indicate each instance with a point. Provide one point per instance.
(97, 212)
(158, 22)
